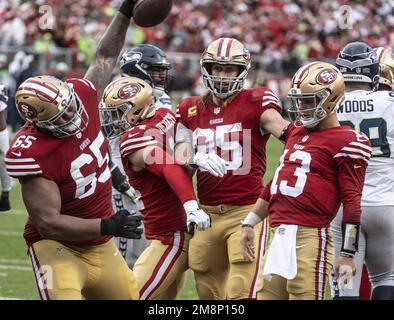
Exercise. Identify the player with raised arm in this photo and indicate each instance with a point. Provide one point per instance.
(166, 191)
(149, 63)
(223, 135)
(323, 164)
(60, 159)
(372, 112)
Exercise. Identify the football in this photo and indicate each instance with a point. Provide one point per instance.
(149, 13)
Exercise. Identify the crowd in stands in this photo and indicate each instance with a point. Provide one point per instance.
(281, 34)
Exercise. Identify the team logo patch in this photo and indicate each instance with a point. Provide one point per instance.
(129, 90)
(216, 110)
(326, 76)
(192, 111)
(27, 110)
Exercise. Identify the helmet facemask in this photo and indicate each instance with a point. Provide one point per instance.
(75, 126)
(113, 120)
(308, 109)
(223, 87)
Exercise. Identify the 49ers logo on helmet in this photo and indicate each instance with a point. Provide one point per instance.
(129, 90)
(28, 111)
(326, 76)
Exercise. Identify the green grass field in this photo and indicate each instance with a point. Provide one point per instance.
(16, 276)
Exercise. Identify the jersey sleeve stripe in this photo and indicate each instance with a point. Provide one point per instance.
(89, 83)
(366, 154)
(353, 156)
(271, 101)
(270, 98)
(358, 144)
(144, 138)
(23, 173)
(20, 160)
(139, 145)
(23, 166)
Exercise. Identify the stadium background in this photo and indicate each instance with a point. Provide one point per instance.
(59, 38)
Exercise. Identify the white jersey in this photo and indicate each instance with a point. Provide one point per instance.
(373, 113)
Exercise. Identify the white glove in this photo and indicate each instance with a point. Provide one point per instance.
(131, 194)
(211, 162)
(196, 217)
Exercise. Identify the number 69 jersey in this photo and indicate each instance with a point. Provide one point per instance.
(373, 114)
(318, 170)
(77, 164)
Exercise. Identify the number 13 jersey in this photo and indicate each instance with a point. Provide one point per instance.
(318, 170)
(232, 132)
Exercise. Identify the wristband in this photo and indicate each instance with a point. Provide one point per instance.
(350, 235)
(127, 8)
(251, 220)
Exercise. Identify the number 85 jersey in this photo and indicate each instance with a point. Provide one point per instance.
(77, 164)
(318, 170)
(233, 133)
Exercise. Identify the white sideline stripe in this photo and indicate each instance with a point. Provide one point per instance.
(9, 298)
(3, 274)
(16, 261)
(10, 233)
(19, 268)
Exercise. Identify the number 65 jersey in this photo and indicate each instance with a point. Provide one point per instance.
(77, 164)
(318, 170)
(373, 114)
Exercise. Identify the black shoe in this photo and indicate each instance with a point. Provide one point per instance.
(4, 204)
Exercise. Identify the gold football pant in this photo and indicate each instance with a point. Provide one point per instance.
(70, 273)
(161, 269)
(315, 254)
(216, 258)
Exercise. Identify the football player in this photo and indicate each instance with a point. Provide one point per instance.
(60, 159)
(165, 190)
(149, 63)
(228, 127)
(323, 164)
(372, 112)
(4, 145)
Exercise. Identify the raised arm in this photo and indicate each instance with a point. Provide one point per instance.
(109, 48)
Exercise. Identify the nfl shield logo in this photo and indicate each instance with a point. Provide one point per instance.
(216, 110)
(305, 138)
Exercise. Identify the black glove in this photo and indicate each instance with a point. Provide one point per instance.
(122, 224)
(119, 180)
(127, 8)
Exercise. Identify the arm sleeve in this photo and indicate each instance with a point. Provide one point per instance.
(266, 192)
(351, 181)
(173, 173)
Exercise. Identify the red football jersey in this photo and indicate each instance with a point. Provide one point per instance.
(318, 170)
(163, 213)
(78, 165)
(233, 132)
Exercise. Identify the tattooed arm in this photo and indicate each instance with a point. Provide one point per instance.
(107, 52)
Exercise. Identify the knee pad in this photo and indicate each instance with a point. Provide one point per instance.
(237, 288)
